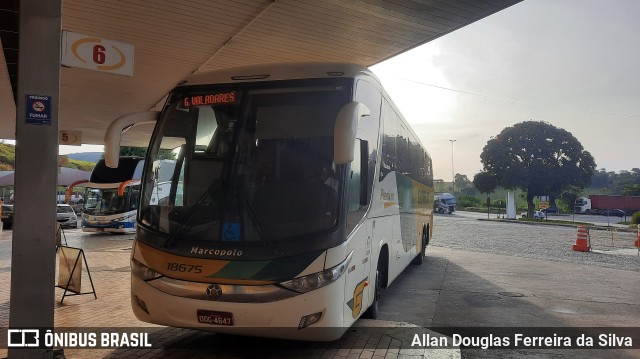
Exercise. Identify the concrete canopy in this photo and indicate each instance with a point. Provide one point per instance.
(175, 39)
(66, 177)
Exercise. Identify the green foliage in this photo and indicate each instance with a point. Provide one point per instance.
(461, 181)
(8, 160)
(499, 203)
(538, 158)
(7, 157)
(81, 165)
(440, 186)
(635, 218)
(166, 155)
(464, 201)
(568, 197)
(485, 182)
(563, 206)
(470, 191)
(142, 152)
(133, 151)
(631, 190)
(624, 182)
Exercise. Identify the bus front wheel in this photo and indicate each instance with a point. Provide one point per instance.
(373, 311)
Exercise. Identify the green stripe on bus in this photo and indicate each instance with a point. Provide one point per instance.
(272, 270)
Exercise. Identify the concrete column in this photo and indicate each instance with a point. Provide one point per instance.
(511, 205)
(32, 297)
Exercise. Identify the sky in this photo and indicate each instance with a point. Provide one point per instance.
(572, 63)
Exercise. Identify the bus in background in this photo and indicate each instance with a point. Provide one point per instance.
(299, 193)
(112, 196)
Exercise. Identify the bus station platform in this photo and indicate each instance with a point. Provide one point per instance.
(492, 276)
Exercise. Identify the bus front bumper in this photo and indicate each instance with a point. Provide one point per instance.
(279, 319)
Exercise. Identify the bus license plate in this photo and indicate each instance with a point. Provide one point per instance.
(215, 318)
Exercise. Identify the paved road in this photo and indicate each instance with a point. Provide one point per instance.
(495, 274)
(463, 230)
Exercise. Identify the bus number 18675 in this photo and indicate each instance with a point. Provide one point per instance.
(181, 267)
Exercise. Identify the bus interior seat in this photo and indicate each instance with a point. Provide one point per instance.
(203, 170)
(287, 202)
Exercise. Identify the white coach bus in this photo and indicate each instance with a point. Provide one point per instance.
(298, 194)
(112, 196)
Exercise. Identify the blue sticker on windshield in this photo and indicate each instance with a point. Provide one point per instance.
(231, 231)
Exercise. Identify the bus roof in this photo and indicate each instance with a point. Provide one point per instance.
(278, 71)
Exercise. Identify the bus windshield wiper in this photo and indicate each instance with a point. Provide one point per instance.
(186, 222)
(255, 217)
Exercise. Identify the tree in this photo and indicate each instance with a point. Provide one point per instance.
(615, 183)
(600, 179)
(142, 152)
(539, 158)
(133, 151)
(485, 182)
(569, 195)
(631, 190)
(461, 181)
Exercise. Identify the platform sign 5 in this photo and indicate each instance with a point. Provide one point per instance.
(72, 138)
(94, 53)
(38, 109)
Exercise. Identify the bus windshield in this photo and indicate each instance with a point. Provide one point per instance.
(253, 163)
(105, 201)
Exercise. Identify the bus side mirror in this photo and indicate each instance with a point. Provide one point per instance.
(113, 135)
(344, 133)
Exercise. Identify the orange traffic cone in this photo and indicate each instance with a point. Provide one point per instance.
(582, 237)
(637, 242)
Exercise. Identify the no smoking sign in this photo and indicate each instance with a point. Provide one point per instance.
(38, 110)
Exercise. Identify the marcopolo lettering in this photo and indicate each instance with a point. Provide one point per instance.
(216, 252)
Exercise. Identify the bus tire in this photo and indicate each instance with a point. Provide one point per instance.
(373, 311)
(419, 259)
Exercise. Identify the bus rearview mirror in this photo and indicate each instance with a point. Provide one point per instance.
(344, 133)
(113, 135)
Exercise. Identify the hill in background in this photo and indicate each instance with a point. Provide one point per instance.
(8, 159)
(86, 156)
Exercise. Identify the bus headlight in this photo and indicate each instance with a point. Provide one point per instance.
(317, 280)
(142, 271)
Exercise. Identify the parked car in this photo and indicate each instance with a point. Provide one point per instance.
(66, 216)
(536, 215)
(7, 215)
(615, 213)
(552, 209)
